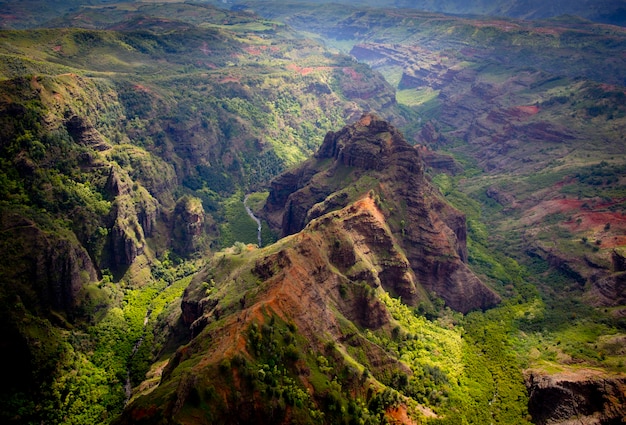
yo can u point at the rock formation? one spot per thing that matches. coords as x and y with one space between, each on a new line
188 225
54 264
359 221
321 281
372 156
581 397
133 216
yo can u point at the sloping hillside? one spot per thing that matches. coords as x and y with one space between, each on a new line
318 327
475 277
125 154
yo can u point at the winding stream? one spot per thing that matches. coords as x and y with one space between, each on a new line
255 218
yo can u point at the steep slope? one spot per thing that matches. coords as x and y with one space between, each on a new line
534 111
587 396
70 215
118 145
117 150
315 328
372 156
273 327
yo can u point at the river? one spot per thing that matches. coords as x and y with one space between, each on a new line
255 218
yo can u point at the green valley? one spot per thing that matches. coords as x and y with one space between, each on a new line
441 199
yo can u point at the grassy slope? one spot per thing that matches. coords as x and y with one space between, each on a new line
583 93
127 60
194 97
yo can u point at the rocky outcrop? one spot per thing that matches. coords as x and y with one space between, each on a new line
133 217
84 133
370 144
421 67
581 397
608 291
350 249
62 268
618 262
439 162
368 252
188 225
126 236
52 263
372 156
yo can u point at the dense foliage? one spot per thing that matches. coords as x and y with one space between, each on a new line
126 151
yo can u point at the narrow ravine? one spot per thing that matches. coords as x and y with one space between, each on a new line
128 386
258 222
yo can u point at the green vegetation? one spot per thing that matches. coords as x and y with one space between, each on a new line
239 226
88 374
104 133
480 373
412 97
552 323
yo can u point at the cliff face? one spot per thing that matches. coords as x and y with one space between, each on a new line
360 222
54 265
133 216
188 225
583 396
321 282
372 156
351 247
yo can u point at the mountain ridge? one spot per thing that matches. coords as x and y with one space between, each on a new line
129 154
319 289
427 229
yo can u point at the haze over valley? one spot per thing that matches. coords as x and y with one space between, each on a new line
438 189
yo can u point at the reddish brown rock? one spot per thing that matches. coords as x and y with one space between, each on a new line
371 156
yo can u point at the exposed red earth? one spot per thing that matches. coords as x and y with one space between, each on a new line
307 70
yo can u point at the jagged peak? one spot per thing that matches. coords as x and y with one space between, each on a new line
369 144
370 155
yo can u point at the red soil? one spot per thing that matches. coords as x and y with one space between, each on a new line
586 217
528 109
352 73
255 50
230 80
142 88
306 70
399 415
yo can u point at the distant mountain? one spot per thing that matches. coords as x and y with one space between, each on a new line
605 11
33 13
457 254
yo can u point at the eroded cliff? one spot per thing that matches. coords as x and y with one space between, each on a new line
372 156
576 397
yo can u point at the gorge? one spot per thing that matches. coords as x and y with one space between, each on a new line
312 212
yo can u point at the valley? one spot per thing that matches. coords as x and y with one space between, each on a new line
284 212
